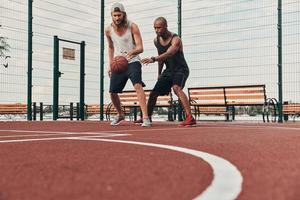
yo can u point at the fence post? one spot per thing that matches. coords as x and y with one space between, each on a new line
77 111
41 111
29 70
82 76
279 27
34 111
55 77
179 18
71 111
102 14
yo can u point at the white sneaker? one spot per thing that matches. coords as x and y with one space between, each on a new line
146 123
117 120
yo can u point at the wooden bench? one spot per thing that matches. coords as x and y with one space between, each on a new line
208 100
129 101
94 109
13 109
224 99
292 109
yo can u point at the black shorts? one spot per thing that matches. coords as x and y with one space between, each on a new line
168 79
119 80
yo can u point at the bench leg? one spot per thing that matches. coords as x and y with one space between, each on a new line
170 114
286 117
230 112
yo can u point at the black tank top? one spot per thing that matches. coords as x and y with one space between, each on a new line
175 63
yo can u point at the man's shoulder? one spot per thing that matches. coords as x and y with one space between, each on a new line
175 37
132 24
107 29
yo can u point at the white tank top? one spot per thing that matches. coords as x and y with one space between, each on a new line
124 43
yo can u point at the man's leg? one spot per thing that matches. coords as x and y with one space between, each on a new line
117 104
135 75
186 106
150 106
152 102
141 98
117 83
183 99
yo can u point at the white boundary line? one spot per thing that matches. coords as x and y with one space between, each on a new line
103 135
37 131
57 134
233 126
227 182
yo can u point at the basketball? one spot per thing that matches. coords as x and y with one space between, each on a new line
119 64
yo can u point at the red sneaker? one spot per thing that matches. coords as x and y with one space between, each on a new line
189 121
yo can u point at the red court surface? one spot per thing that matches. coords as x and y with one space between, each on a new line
92 160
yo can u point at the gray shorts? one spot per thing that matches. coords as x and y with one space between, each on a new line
119 80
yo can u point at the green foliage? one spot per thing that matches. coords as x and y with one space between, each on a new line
4 46
161 111
250 110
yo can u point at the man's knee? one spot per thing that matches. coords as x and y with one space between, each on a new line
176 89
153 95
138 86
113 94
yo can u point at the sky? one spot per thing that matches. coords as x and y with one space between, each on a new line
226 42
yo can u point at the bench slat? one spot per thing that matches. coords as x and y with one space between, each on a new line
14 108
129 100
222 97
291 109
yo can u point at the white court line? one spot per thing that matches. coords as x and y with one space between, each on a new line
257 127
141 129
61 138
227 181
230 126
37 131
54 134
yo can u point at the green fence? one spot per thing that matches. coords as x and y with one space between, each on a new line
13 28
291 50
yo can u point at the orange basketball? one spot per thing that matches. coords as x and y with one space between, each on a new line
119 64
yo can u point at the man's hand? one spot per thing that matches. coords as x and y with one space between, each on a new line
128 55
147 61
109 72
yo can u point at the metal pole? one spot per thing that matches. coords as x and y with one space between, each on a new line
55 77
179 18
179 108
102 14
82 74
29 70
41 111
71 111
34 111
280 95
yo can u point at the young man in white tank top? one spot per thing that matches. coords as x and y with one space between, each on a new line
124 38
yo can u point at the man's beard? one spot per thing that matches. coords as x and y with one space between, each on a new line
121 23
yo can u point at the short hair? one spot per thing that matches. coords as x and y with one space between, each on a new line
163 20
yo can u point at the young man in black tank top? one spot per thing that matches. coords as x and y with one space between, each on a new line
170 53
